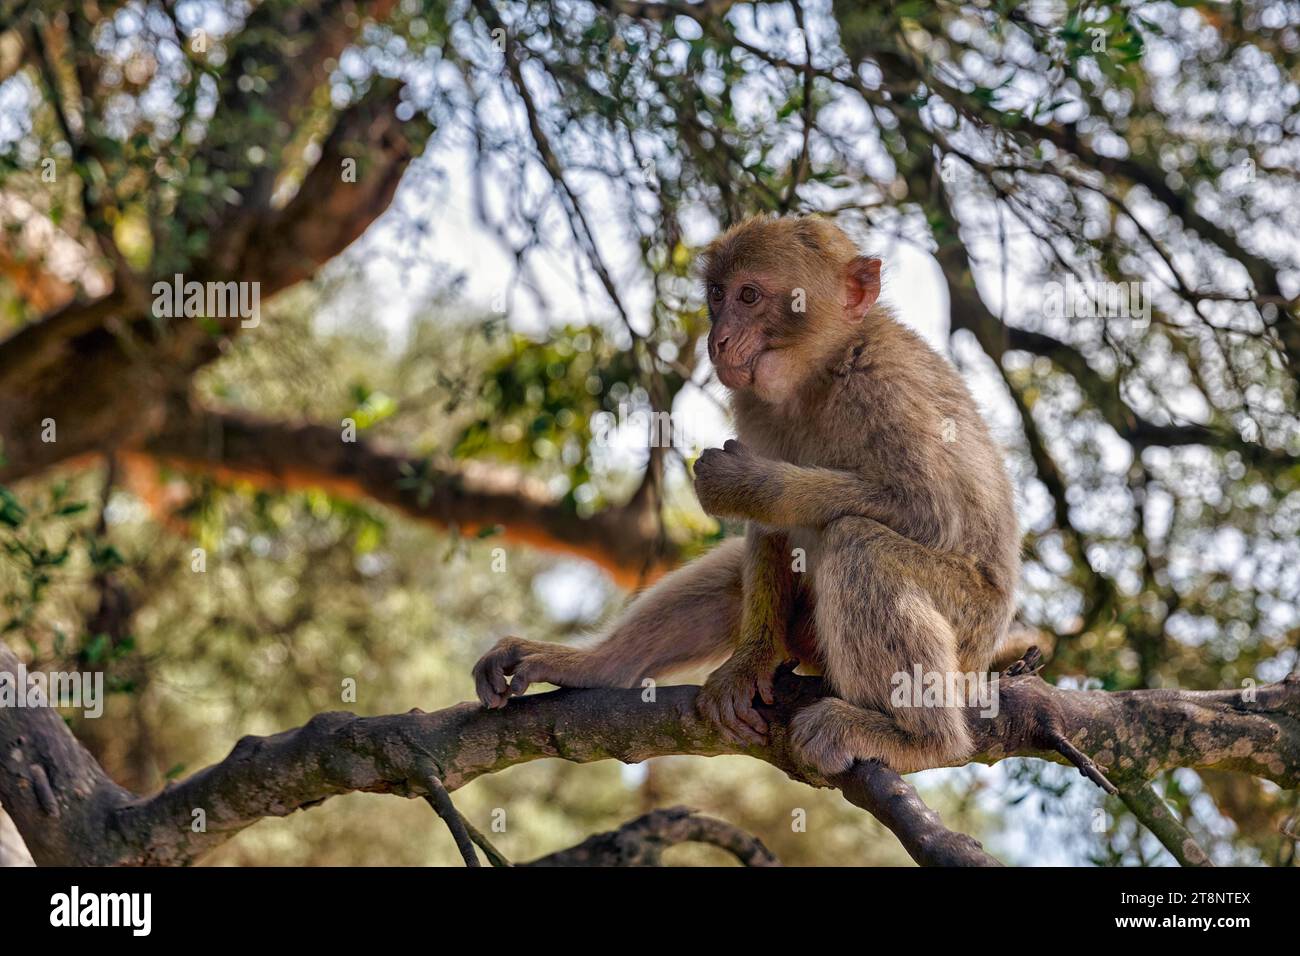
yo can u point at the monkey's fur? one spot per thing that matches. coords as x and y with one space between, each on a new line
859 445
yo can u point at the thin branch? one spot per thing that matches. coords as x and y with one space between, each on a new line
801 165
442 804
1049 731
1159 818
583 234
969 312
495 856
1085 764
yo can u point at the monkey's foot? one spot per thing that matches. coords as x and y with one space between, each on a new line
524 662
1027 664
727 698
831 734
823 737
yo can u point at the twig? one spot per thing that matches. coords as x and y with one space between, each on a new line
1157 817
1080 759
1049 733
495 856
440 800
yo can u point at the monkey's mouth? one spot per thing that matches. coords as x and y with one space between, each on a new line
738 374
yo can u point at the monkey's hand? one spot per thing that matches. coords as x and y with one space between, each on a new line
727 697
726 477
524 662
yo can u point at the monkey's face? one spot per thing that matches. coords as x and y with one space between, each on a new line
766 332
745 309
783 293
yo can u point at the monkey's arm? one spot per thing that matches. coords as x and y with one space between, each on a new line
768 601
733 481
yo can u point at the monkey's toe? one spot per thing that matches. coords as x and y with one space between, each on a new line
819 742
731 709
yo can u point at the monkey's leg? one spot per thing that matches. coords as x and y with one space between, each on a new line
874 621
727 698
689 618
977 609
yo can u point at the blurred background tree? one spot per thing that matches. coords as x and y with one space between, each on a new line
480 218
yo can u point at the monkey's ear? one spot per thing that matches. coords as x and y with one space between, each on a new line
863 281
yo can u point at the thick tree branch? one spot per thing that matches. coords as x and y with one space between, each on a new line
895 803
330 210
73 366
469 497
69 812
297 44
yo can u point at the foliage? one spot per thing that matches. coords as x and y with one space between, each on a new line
1020 146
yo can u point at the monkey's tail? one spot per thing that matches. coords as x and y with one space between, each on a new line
1018 639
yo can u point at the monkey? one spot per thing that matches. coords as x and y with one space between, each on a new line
858 448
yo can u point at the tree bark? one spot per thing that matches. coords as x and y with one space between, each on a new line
70 813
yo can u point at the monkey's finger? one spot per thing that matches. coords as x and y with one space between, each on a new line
508 659
519 684
752 718
490 684
735 721
713 711
703 707
734 732
766 689
488 680
719 710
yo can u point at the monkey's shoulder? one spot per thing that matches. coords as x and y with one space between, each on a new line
892 385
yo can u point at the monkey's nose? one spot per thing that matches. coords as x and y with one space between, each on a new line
718 344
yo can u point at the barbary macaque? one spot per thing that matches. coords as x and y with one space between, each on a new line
881 534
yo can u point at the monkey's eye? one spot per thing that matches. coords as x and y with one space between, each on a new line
749 295
716 294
